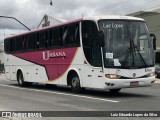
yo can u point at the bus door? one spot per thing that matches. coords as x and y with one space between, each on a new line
87 31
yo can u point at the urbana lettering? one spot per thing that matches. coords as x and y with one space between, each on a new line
48 54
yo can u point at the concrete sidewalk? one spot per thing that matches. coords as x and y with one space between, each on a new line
2 77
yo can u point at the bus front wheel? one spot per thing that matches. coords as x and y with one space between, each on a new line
75 84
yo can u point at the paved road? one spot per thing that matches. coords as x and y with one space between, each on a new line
42 98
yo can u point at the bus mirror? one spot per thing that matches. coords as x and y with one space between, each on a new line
153 37
100 40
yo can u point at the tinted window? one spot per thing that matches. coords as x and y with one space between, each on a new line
37 40
55 37
13 45
19 44
42 40
56 41
31 42
50 38
47 39
7 45
71 35
91 49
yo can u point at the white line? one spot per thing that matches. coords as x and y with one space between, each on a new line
59 93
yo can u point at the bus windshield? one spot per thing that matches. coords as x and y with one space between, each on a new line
127 44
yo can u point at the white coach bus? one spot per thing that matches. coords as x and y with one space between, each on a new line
101 52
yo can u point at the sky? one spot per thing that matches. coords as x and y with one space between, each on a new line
31 12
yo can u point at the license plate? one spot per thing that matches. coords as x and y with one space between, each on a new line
136 83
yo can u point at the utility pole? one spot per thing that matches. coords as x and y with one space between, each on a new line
16 20
51 4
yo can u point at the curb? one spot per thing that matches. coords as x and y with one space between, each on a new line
157 81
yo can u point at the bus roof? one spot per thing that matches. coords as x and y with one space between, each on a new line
112 17
45 28
94 18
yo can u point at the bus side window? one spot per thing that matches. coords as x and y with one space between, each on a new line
50 38
7 43
42 40
13 45
31 42
25 42
47 39
77 35
56 37
65 34
19 44
37 40
71 35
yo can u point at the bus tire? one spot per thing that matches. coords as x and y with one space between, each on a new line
75 84
114 91
20 79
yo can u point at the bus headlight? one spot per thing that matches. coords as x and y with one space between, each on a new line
151 74
112 76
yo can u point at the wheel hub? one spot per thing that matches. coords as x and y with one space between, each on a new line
75 82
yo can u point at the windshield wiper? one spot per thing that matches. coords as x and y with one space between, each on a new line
131 48
134 48
140 55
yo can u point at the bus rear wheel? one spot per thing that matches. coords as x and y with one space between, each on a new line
20 80
75 84
114 91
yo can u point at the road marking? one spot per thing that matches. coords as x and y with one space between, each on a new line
60 93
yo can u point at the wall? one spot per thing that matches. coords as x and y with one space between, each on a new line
153 22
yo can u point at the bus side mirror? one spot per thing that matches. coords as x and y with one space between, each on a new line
153 37
100 39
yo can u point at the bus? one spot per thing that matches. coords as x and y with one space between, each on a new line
99 52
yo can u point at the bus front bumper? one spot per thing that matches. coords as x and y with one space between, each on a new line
129 83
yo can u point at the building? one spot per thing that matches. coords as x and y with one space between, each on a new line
49 20
152 18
